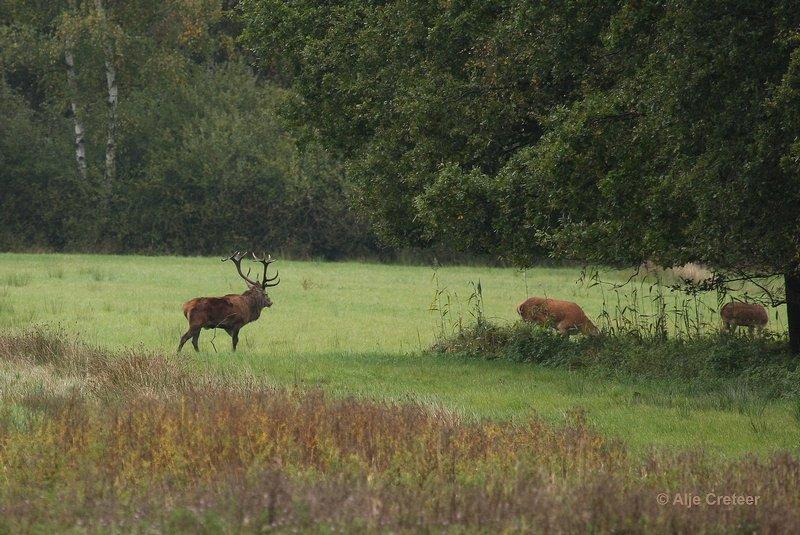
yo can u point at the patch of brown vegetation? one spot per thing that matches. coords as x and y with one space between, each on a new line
163 448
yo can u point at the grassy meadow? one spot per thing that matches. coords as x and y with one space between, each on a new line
336 415
360 329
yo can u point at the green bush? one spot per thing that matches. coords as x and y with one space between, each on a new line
482 339
715 362
540 345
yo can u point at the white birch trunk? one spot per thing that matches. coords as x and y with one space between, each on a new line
80 144
111 84
111 136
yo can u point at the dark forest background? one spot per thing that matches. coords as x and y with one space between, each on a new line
610 132
202 161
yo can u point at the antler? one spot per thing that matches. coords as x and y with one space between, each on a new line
266 260
236 258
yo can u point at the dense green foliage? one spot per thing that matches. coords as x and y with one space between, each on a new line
33 184
203 163
611 132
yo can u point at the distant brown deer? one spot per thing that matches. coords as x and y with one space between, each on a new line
233 311
564 316
748 315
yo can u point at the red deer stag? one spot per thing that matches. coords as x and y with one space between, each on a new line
747 315
233 311
565 316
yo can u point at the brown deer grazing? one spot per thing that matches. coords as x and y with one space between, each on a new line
747 315
565 316
233 311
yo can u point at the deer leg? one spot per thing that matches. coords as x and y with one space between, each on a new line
564 328
234 337
195 338
185 338
730 327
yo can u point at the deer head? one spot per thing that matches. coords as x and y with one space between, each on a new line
255 288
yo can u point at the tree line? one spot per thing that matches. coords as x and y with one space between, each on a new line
142 127
613 132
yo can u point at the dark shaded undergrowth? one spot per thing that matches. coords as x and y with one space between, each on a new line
721 363
98 441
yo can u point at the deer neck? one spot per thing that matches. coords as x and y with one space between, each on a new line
254 305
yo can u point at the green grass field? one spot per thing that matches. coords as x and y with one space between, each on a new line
355 328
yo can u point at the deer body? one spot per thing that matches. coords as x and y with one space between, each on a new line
748 315
230 312
565 316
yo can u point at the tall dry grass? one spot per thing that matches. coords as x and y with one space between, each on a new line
97 441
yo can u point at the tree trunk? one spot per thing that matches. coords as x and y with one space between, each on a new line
793 309
111 84
111 137
72 80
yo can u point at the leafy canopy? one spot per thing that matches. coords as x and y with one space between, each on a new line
610 132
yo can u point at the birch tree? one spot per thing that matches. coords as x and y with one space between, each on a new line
69 32
107 41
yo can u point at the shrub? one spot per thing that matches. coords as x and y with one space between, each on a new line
481 339
762 365
534 343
